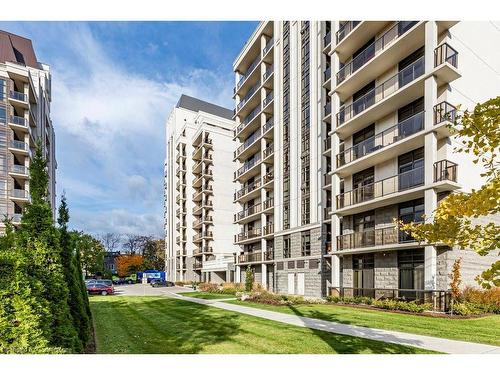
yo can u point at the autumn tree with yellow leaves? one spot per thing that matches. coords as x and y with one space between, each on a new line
453 220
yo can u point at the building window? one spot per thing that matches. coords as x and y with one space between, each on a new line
306 244
313 264
287 251
279 266
411 272
363 275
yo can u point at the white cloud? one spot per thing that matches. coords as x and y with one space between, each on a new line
109 122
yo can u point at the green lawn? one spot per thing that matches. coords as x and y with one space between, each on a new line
204 295
166 325
482 330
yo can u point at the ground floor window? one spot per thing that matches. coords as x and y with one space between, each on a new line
363 275
411 272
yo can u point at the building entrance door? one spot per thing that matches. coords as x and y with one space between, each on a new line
291 283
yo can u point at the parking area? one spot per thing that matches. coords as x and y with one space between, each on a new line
147 290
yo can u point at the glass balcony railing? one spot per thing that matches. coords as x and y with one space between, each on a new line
327 109
268 46
16 218
18 96
268 177
255 209
20 169
327 74
250 117
18 120
248 142
374 49
372 237
327 39
268 72
247 166
252 233
444 111
345 29
445 54
19 193
247 189
249 94
249 71
268 151
268 99
382 91
19 145
390 185
268 125
389 136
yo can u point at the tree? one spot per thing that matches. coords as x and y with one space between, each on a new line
110 240
248 279
154 254
134 243
453 220
128 264
91 253
456 280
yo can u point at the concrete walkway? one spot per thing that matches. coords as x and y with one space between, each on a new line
419 341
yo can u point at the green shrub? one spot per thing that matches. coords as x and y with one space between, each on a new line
232 288
356 300
466 308
249 279
488 300
412 306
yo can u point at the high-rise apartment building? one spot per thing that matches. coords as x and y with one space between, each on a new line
25 97
342 131
199 204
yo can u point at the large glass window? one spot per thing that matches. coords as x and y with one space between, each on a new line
363 275
410 212
306 244
3 114
411 272
2 89
287 249
411 169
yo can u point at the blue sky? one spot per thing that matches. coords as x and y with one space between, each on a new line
114 84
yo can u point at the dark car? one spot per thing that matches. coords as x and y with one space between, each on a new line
98 281
97 288
158 283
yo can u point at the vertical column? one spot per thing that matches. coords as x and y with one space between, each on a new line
430 150
237 276
335 274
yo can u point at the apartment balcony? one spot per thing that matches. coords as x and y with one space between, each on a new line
207 219
180 211
203 250
179 169
249 123
266 103
180 158
180 225
388 50
266 51
327 213
327 180
249 191
327 111
205 144
327 40
267 82
268 205
181 253
19 147
267 154
197 265
18 99
445 64
445 170
249 76
354 34
388 186
18 122
180 239
19 171
179 184
249 147
205 175
445 116
15 218
248 236
383 146
206 235
249 168
179 199
267 128
268 179
257 257
250 214
327 81
250 100
327 145
386 238
397 91
268 230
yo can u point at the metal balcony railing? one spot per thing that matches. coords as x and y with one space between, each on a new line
249 71
327 179
445 54
268 203
327 109
268 229
327 144
268 99
390 185
268 151
248 142
253 233
269 71
268 125
256 257
345 29
255 209
268 46
250 117
374 49
382 91
380 140
16 218
268 177
445 170
444 111
327 74
249 94
247 166
247 189
327 39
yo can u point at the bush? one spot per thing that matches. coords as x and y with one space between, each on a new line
356 300
467 308
488 300
390 304
232 288
249 279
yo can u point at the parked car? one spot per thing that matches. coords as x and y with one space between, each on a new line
98 281
99 288
159 282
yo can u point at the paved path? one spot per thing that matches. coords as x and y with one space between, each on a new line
424 342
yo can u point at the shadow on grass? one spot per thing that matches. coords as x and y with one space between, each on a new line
321 325
158 325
